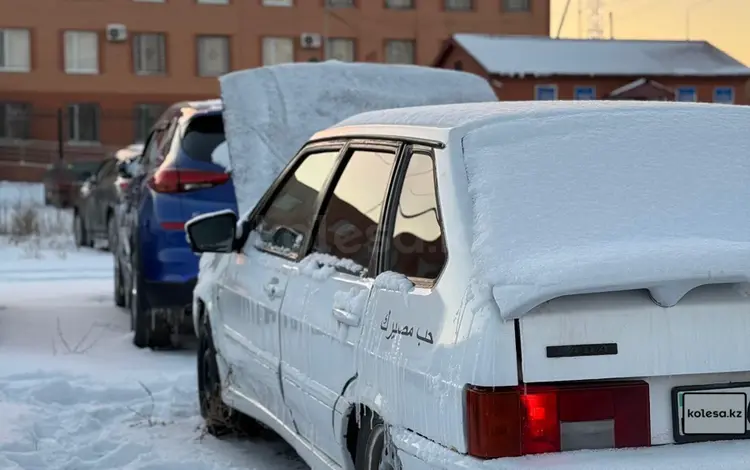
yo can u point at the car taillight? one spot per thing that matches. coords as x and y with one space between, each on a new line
171 180
535 419
122 185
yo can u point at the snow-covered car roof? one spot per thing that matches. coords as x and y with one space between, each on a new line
579 197
270 112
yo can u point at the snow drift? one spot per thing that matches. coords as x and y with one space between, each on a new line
270 112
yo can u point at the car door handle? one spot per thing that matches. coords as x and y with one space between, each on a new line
272 289
346 318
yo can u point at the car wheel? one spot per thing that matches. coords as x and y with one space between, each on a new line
375 451
145 333
79 231
219 418
119 287
111 233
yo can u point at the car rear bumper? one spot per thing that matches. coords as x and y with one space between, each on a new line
169 295
418 453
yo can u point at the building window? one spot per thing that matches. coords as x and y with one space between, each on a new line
213 55
724 94
339 3
278 3
81 52
686 93
459 5
399 4
545 92
83 122
514 6
15 120
585 93
399 51
340 49
278 51
15 50
150 53
145 116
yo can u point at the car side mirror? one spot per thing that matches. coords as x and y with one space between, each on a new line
123 169
214 232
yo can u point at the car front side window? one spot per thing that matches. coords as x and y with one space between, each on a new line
288 218
350 221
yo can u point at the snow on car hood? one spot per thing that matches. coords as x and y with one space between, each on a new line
579 198
270 112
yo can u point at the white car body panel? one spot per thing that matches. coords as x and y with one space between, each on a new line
417 385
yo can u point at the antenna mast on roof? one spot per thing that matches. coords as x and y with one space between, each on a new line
595 27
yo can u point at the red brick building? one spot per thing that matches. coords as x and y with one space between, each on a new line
111 66
541 68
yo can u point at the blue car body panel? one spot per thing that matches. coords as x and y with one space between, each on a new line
152 223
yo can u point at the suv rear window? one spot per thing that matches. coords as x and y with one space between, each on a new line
202 135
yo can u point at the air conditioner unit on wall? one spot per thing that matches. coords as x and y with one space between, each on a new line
117 32
310 40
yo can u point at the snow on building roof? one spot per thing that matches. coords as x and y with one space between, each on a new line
577 197
544 56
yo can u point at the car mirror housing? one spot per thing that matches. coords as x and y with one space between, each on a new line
214 232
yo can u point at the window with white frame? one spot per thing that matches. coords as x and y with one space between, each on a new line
400 51
724 94
15 50
513 6
150 53
545 92
278 3
15 120
145 116
340 49
399 4
213 55
278 51
585 93
83 122
81 52
459 5
686 93
339 3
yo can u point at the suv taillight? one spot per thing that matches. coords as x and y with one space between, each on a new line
535 419
171 180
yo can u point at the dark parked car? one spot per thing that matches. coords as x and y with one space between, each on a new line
63 181
95 210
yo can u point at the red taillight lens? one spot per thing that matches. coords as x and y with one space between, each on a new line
122 185
170 180
509 422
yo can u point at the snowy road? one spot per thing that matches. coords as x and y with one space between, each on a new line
76 395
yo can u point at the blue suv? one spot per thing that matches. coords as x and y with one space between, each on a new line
178 177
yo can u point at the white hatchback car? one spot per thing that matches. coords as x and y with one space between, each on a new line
449 287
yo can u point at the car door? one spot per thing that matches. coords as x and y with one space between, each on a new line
90 191
103 194
322 321
254 285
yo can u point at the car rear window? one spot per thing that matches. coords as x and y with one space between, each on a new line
202 135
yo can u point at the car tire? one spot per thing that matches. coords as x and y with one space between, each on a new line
145 333
119 293
375 451
79 231
220 419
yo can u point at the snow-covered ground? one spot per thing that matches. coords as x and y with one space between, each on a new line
75 394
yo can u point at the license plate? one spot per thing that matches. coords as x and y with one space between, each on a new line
711 412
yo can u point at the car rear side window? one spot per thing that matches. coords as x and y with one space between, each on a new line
202 135
349 223
288 219
417 247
